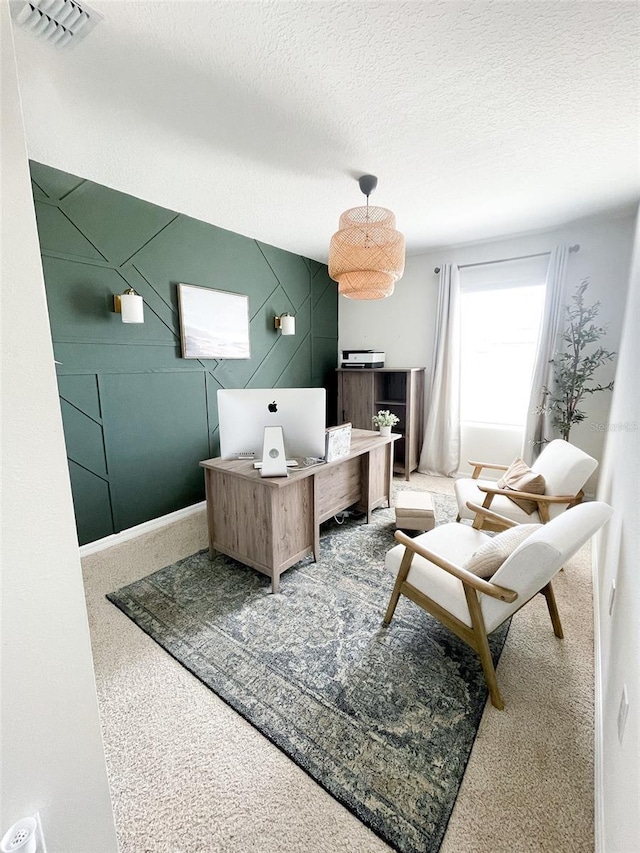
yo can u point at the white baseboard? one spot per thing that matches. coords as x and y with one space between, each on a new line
139 529
598 782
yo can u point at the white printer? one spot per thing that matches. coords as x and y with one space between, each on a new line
362 358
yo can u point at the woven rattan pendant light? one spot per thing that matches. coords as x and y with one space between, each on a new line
366 256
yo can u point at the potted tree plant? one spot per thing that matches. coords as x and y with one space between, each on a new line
384 420
576 363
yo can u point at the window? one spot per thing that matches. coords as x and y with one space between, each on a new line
501 310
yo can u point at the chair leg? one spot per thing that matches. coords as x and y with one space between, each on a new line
479 520
489 672
403 571
548 593
482 648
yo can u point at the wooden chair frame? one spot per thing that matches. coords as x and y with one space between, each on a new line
476 635
542 502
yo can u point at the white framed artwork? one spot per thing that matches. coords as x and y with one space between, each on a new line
213 323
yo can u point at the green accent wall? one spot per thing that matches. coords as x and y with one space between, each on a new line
138 417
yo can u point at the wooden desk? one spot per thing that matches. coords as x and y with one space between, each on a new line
271 523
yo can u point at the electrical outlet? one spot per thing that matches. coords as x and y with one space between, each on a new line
612 596
622 712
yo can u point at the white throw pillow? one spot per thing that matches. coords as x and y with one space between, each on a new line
487 559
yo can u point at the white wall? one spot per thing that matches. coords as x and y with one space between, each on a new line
403 325
616 560
488 443
52 755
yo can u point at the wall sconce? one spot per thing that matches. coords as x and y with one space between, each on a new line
286 323
130 306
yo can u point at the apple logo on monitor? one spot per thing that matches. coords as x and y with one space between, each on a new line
273 407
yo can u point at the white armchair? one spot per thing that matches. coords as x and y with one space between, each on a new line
430 571
565 469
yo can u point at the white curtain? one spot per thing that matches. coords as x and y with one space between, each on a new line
538 427
441 448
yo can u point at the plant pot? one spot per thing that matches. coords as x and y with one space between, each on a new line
385 430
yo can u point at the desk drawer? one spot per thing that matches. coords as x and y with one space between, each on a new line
338 487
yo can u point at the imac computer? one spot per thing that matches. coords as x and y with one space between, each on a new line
245 412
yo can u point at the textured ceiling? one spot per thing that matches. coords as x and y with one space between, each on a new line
480 119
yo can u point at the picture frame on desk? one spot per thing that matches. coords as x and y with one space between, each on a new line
337 442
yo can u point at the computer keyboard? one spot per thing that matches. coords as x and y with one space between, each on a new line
291 463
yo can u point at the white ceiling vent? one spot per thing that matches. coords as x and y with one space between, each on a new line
59 22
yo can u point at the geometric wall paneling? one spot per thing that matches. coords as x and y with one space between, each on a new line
80 301
325 305
279 303
60 235
155 428
291 271
265 340
272 372
237 264
118 224
288 351
138 418
92 505
82 392
203 255
214 443
155 302
87 357
325 336
235 372
323 360
263 316
38 193
313 266
83 436
297 371
320 280
53 183
212 387
304 322
322 286
323 354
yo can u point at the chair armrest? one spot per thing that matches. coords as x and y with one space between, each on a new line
491 515
478 466
468 578
511 493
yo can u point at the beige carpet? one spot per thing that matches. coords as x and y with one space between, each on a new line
188 775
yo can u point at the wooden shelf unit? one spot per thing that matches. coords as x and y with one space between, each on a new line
362 392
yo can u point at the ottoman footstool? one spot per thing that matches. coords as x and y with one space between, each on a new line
414 511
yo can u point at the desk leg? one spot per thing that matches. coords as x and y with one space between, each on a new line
275 583
316 521
208 492
390 454
367 484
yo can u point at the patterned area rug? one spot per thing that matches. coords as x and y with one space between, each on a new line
383 718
